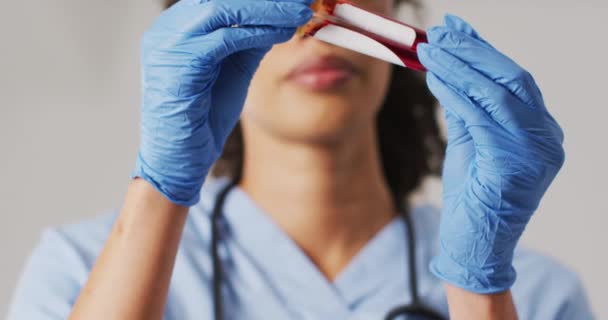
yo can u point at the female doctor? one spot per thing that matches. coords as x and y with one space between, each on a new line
307 218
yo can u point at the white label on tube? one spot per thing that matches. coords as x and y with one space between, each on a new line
376 24
357 42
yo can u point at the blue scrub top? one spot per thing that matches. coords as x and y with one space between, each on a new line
267 276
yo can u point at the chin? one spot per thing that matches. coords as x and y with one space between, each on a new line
298 114
319 122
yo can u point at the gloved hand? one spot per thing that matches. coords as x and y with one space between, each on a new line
198 60
504 149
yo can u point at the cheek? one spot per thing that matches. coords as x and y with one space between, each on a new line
266 105
263 90
379 76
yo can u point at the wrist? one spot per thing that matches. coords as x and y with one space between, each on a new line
468 305
179 189
142 193
475 278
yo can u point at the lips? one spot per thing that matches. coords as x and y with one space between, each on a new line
323 73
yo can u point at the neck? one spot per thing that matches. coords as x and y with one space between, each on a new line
330 199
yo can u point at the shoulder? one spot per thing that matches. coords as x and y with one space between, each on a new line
547 289
425 220
86 238
59 265
57 269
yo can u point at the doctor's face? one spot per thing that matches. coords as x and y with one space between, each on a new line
309 91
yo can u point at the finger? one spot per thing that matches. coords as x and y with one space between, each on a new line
488 61
222 13
460 117
457 104
201 55
466 123
193 17
460 152
307 2
502 106
198 2
244 63
226 41
459 24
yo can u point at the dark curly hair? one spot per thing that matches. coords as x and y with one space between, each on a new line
411 144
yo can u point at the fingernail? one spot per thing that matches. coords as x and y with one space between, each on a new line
423 48
430 79
301 10
424 52
307 2
433 30
436 34
458 24
445 37
433 57
450 20
306 13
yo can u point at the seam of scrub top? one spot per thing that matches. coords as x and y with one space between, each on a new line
383 255
293 274
376 265
250 230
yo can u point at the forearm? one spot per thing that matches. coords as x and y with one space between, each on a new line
468 305
131 277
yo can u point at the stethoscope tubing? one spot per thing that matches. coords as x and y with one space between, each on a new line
415 307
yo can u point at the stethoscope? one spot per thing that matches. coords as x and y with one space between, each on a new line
415 309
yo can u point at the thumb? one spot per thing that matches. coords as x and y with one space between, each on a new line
232 85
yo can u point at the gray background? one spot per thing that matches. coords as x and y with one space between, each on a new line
69 97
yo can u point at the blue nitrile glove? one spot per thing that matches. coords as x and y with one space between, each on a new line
504 149
198 60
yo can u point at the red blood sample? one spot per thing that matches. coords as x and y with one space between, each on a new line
324 15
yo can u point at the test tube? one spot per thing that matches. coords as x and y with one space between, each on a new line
345 24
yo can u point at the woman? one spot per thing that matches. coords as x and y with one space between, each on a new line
307 219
